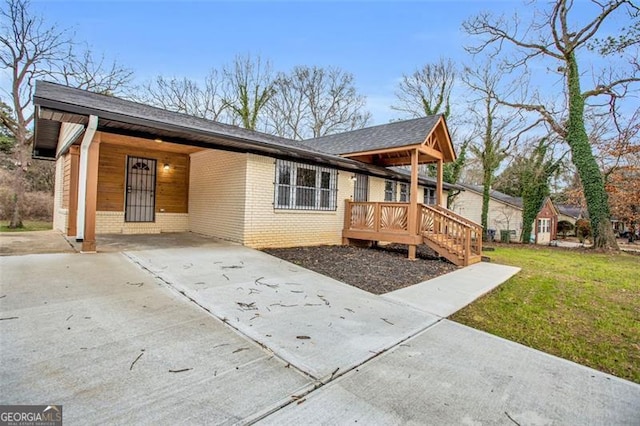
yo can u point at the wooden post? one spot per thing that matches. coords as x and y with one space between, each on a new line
72 222
439 184
413 203
89 241
467 246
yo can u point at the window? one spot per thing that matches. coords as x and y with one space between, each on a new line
544 226
404 192
430 196
361 188
305 187
390 190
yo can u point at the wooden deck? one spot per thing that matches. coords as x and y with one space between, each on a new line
452 236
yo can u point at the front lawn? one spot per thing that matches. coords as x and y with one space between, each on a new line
29 225
576 304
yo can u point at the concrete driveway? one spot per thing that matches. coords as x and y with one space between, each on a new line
224 334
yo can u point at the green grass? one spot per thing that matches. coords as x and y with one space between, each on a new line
29 225
578 305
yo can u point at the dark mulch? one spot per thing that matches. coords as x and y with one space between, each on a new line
377 270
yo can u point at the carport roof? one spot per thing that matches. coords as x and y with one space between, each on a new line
56 103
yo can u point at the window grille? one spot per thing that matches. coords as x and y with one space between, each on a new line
429 196
361 188
305 187
404 192
390 189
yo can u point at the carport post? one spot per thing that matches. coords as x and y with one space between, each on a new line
72 223
91 198
87 139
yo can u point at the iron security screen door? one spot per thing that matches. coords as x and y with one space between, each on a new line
141 190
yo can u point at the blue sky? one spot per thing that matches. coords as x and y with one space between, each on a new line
376 41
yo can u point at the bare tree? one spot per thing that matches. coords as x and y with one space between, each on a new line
86 71
31 49
248 85
310 102
427 91
553 39
496 131
187 96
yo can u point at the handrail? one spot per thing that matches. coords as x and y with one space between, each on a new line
461 222
455 215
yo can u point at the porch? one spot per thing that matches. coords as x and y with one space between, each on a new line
453 237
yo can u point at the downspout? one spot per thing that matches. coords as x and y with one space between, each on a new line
89 133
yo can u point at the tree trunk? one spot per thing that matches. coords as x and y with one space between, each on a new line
486 188
19 187
582 157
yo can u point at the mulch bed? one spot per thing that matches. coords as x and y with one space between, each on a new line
377 270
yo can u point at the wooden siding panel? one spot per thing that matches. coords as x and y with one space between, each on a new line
172 186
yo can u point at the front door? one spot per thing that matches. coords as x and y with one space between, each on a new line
544 231
141 190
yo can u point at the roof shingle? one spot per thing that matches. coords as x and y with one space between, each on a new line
395 134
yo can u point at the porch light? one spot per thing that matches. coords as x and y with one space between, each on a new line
166 167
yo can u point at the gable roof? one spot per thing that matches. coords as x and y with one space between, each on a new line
568 210
390 135
56 103
497 195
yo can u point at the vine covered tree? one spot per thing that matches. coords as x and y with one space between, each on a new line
555 38
492 142
537 170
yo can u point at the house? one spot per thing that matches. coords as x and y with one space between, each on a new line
125 167
505 212
546 225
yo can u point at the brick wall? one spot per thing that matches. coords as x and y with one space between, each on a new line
113 223
269 227
217 194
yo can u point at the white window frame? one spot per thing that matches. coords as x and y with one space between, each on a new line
292 188
544 225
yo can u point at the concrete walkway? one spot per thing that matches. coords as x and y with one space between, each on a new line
454 375
227 335
446 294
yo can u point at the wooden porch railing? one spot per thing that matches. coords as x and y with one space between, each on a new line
457 234
451 235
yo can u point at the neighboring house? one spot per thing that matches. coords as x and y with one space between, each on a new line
125 167
569 213
545 227
505 212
